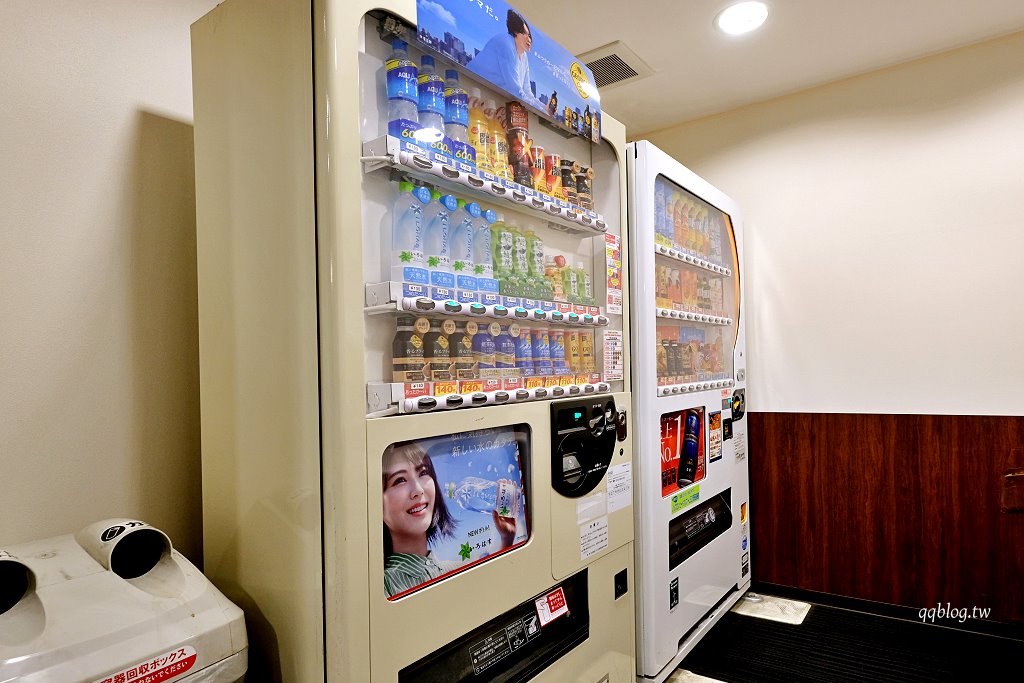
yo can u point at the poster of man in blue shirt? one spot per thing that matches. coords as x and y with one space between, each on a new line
496 44
505 60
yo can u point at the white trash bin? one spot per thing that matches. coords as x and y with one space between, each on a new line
114 603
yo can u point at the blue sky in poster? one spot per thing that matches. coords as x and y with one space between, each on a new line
464 464
470 24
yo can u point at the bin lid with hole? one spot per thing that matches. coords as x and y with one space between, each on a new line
75 620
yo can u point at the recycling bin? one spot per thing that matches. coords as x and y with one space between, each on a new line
114 603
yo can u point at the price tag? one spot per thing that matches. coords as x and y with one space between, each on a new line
416 389
445 388
513 383
534 382
565 380
471 386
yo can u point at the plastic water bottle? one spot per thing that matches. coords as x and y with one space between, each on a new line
437 239
431 101
403 92
482 495
462 244
482 265
456 108
408 263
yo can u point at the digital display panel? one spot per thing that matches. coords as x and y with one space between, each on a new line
451 502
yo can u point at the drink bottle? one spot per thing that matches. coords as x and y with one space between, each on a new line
431 101
403 93
437 239
408 263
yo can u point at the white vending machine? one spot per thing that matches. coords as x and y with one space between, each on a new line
414 344
692 521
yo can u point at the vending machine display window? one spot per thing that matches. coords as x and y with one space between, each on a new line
682 449
451 502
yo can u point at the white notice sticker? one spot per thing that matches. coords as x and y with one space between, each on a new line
593 537
620 486
739 442
590 507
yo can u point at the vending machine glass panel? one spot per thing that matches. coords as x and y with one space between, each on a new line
451 502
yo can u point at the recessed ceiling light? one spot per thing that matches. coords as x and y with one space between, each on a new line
743 17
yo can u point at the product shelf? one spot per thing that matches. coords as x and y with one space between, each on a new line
390 398
691 260
434 168
693 387
397 297
694 317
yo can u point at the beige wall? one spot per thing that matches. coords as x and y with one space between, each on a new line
884 233
99 413
883 230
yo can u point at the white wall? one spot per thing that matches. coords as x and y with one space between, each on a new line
884 233
99 411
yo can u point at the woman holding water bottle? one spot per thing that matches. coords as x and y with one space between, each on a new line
416 516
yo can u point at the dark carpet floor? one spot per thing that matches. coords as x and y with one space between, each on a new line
838 644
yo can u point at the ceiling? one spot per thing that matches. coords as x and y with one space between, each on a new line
805 43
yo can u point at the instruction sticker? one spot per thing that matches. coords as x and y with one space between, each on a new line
620 486
593 537
165 667
551 606
740 441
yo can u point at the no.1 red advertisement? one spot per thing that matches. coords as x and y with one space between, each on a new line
682 449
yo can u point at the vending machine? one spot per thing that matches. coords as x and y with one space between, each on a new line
414 344
692 511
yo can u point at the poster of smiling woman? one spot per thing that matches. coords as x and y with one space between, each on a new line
498 44
451 502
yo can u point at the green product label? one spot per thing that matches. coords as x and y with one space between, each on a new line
685 499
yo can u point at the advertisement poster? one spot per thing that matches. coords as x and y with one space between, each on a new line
682 449
613 357
715 436
497 43
613 257
449 503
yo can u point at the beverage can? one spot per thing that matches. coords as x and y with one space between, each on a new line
584 178
517 117
557 350
569 169
553 175
541 341
538 169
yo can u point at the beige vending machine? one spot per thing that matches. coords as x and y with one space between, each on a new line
413 344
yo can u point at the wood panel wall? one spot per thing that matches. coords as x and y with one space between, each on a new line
900 509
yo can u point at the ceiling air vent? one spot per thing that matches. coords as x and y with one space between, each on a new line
614 64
